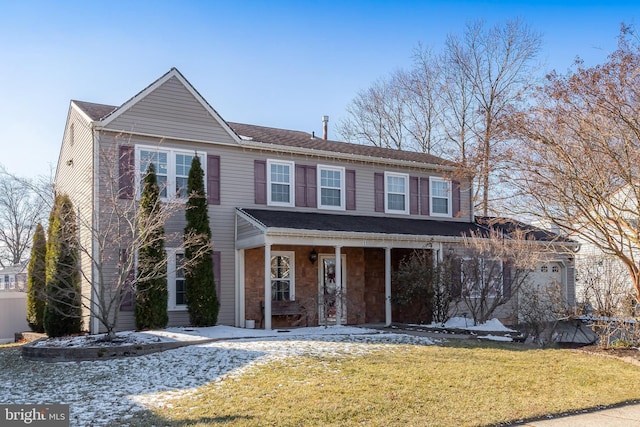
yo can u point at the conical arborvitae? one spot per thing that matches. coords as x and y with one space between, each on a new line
63 313
36 281
151 291
202 300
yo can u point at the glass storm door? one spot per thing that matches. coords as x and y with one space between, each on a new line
331 297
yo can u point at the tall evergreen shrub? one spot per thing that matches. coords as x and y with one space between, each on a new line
63 313
202 300
36 281
151 293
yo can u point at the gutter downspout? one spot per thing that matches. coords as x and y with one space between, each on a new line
94 323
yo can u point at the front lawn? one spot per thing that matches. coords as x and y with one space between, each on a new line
463 384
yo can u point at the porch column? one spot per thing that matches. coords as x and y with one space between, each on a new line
267 286
387 286
339 295
240 293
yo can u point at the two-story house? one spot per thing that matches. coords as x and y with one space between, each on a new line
294 216
14 278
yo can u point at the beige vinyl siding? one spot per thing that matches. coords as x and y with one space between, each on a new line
173 112
237 190
238 187
74 177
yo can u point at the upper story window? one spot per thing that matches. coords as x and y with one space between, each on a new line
440 192
183 166
332 187
280 183
172 169
396 192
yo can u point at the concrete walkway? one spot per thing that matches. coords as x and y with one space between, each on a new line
621 416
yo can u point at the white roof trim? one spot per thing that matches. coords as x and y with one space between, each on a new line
80 111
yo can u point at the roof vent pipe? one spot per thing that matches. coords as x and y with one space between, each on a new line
325 121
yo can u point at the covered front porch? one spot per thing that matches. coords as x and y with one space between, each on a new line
326 269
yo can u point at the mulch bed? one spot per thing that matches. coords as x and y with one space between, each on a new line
629 355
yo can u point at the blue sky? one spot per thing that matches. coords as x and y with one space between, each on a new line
273 63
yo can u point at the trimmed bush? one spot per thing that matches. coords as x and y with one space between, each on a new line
202 300
63 313
151 292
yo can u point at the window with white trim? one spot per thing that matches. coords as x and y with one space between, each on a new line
1 283
331 181
481 277
280 184
396 192
440 195
282 276
172 169
176 284
12 282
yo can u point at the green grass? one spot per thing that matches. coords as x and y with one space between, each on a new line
462 384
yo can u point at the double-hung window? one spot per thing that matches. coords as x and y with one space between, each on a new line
172 169
396 189
332 187
280 184
440 192
160 161
1 283
183 166
482 277
176 283
282 276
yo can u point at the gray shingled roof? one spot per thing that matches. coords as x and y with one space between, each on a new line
95 111
391 225
361 224
508 226
292 138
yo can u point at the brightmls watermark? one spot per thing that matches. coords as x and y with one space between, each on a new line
34 415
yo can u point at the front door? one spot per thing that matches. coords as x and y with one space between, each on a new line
332 296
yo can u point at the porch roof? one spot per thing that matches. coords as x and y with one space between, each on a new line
369 225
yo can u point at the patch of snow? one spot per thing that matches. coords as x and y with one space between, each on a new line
495 338
110 391
493 325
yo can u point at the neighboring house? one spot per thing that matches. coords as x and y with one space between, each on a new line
315 225
14 278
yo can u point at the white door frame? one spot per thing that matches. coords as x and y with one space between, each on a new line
341 306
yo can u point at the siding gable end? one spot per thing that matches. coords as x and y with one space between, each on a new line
172 108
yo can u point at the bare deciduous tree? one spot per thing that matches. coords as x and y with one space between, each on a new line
497 63
23 203
495 267
453 104
540 310
377 115
581 154
111 238
605 286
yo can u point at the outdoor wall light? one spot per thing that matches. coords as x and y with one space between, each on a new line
313 256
